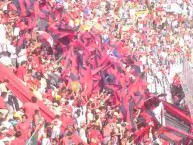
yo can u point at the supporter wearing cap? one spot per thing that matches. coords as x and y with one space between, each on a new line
24 127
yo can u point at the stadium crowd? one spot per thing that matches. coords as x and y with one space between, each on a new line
94 64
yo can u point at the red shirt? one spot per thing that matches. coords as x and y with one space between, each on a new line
30 108
67 121
107 131
18 141
48 95
64 141
2 103
24 127
95 137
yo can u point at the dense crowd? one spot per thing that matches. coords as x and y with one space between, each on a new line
94 65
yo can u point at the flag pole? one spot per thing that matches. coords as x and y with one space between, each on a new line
38 127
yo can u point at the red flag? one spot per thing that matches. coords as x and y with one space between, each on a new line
137 86
141 133
46 38
177 112
21 41
22 6
11 7
36 12
95 71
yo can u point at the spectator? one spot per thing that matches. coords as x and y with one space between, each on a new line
29 108
17 139
25 128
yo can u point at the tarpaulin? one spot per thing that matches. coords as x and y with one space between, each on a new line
177 112
169 136
181 132
22 92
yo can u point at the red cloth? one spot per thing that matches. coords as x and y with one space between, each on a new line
64 141
177 112
138 85
18 141
21 71
141 133
22 92
11 7
22 7
67 121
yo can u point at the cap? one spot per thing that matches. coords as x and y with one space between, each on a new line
57 97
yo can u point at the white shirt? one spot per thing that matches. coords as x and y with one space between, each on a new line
3 88
66 6
6 60
83 134
16 31
11 49
181 42
6 124
164 54
22 56
3 34
46 141
90 117
2 143
71 102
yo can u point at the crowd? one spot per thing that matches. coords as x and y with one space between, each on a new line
94 64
